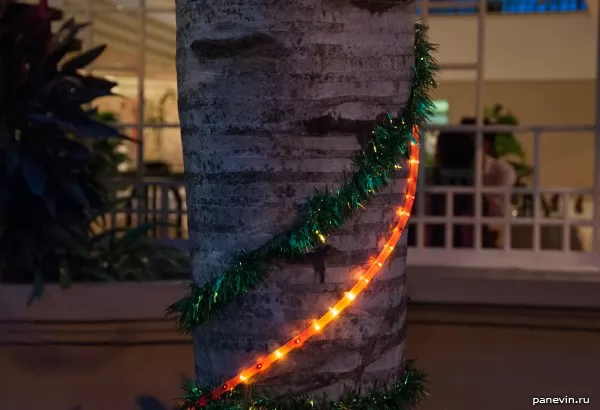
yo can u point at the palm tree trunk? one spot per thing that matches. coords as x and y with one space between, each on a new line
275 98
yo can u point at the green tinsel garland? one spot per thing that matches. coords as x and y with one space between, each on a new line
404 394
326 211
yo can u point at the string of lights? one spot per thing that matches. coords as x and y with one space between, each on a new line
375 266
393 142
405 392
327 210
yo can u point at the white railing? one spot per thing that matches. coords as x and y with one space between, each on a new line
541 228
158 202
550 228
164 199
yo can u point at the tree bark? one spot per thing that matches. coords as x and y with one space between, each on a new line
275 98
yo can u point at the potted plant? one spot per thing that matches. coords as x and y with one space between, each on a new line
55 155
156 116
508 146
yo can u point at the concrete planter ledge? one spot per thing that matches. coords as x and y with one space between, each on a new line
504 287
91 302
92 347
90 314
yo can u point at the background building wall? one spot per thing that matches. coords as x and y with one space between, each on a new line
554 46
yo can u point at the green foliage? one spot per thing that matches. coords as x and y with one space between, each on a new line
156 115
404 394
156 111
506 143
127 254
51 184
47 185
508 146
107 156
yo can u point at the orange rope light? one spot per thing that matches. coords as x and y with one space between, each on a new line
374 267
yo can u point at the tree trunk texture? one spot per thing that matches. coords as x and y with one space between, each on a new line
275 98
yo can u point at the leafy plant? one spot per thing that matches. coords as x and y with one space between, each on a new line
46 183
507 145
125 253
50 182
107 156
156 115
122 254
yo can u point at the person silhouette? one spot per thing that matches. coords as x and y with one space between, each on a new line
496 171
455 166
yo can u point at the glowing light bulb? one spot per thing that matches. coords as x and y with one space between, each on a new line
317 327
321 237
297 341
242 377
350 295
259 366
391 247
366 280
278 353
334 312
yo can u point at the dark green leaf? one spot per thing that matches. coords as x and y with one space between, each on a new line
70 148
12 158
87 95
497 109
36 177
82 60
67 25
60 86
507 144
37 289
49 156
85 126
65 41
98 82
109 233
70 242
73 188
51 120
50 205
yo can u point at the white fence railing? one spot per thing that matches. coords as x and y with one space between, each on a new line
158 202
540 227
